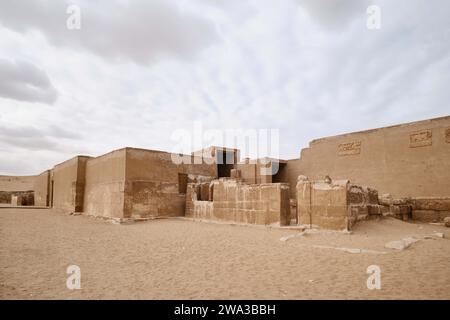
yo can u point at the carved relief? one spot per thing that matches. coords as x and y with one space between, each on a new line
447 135
349 148
420 139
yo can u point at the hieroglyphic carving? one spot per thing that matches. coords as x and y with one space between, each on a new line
349 148
447 135
420 139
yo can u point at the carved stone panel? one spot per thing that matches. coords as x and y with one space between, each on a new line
447 135
349 148
420 139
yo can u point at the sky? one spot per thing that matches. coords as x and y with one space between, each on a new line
139 73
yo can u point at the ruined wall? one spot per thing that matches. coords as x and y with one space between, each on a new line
68 183
234 201
324 204
42 189
152 188
430 209
404 160
105 185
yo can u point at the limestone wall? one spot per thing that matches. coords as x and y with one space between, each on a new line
152 183
405 160
324 204
234 201
68 183
105 185
42 189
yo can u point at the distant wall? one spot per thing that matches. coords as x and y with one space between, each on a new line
237 202
42 189
404 160
15 185
152 183
105 185
68 183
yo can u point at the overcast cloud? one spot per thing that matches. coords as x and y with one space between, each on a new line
138 70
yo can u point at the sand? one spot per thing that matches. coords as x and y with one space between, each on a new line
181 259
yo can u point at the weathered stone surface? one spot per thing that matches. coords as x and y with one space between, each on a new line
401 244
438 204
426 215
235 201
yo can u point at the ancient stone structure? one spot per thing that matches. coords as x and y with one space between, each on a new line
228 199
407 164
17 190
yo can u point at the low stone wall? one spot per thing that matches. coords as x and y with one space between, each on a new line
430 209
324 204
336 205
235 201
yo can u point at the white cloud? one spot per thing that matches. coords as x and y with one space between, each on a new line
140 31
24 81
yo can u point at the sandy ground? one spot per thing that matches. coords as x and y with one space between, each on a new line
178 259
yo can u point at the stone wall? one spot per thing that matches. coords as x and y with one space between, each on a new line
152 186
234 201
42 189
324 204
430 209
68 182
408 160
105 185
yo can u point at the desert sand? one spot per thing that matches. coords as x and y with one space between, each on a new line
182 259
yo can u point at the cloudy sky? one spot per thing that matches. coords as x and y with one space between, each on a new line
137 71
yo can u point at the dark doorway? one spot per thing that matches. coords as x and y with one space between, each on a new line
279 176
225 162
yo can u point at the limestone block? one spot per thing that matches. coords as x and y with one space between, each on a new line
401 244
